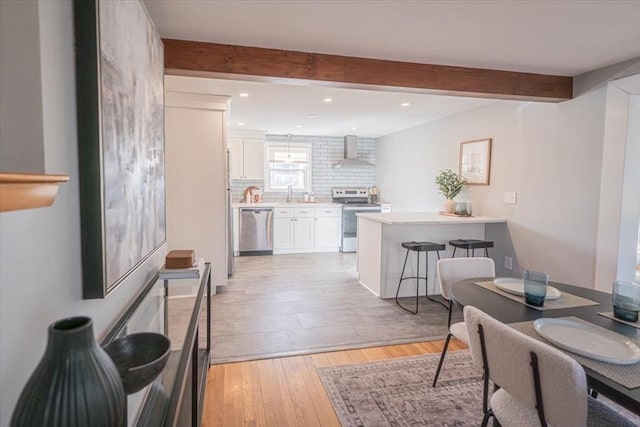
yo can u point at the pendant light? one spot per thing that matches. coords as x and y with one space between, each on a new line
289 160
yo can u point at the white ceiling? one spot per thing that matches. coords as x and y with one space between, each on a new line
551 37
281 109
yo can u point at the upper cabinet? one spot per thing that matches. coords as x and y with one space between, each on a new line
246 158
236 157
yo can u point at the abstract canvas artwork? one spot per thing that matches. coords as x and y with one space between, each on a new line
119 70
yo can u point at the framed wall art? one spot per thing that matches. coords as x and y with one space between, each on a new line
475 161
120 96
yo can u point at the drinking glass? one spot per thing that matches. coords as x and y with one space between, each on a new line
469 209
463 208
535 287
626 300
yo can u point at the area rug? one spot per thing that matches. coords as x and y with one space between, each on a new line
398 392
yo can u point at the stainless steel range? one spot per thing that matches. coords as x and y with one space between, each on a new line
353 200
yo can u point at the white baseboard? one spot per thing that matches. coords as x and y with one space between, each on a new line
304 250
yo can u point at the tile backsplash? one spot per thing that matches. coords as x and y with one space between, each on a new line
326 151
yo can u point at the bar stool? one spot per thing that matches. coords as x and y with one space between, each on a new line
472 244
419 247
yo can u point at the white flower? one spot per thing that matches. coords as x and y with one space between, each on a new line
449 183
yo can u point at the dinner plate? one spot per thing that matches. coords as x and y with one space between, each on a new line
516 287
588 340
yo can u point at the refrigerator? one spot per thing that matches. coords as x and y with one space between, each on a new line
230 242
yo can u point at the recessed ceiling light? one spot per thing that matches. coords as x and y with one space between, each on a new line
405 104
240 123
354 128
299 126
327 100
244 94
312 116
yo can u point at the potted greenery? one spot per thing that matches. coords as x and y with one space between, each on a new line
450 185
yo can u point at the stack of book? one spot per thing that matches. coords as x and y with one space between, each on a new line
182 265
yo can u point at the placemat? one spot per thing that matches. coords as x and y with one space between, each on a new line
627 375
610 315
566 300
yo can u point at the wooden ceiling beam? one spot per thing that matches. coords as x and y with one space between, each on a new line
189 58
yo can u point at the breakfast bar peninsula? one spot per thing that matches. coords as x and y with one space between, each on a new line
380 254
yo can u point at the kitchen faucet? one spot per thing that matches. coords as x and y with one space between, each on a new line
289 194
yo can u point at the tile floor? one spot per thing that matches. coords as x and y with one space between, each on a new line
306 303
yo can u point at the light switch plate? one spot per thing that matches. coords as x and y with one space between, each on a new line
508 263
510 197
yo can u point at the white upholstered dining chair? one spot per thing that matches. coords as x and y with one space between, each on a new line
538 384
450 271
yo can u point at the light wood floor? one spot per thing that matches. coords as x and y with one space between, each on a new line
288 391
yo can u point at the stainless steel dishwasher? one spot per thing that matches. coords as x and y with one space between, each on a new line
256 231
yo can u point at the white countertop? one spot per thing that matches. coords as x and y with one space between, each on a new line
426 218
285 205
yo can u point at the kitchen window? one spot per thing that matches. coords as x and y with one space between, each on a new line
288 164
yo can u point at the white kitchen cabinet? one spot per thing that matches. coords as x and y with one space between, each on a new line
328 227
331 211
303 223
246 158
303 233
306 229
253 159
327 233
283 229
303 213
293 228
283 212
283 233
236 158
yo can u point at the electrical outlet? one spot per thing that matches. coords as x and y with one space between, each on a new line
508 263
510 197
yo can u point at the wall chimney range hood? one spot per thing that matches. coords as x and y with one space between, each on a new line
351 159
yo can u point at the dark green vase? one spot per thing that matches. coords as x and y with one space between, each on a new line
75 383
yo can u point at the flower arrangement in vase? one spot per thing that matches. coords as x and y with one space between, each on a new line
449 185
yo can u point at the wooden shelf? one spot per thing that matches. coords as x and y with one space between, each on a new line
27 191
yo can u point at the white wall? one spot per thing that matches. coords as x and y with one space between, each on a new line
619 190
613 153
630 206
20 86
408 161
549 153
40 266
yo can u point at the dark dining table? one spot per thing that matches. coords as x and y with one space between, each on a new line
509 311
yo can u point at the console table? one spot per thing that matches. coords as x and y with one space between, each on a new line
176 397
